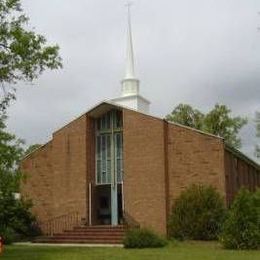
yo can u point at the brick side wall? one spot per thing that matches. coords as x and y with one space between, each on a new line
239 173
38 184
193 158
56 180
144 176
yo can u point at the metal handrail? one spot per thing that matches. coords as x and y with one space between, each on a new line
60 223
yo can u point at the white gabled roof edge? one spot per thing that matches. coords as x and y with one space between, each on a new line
109 102
242 156
195 130
173 123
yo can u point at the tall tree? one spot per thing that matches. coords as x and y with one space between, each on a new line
186 115
15 215
11 152
24 55
257 120
218 121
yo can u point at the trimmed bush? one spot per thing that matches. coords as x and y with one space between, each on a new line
241 229
197 214
143 238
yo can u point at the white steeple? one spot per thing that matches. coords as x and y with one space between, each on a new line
130 84
130 70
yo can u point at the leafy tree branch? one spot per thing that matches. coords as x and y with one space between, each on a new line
218 121
24 54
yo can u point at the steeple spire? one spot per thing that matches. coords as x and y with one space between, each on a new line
130 96
129 73
130 85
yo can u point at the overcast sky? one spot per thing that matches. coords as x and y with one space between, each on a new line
198 52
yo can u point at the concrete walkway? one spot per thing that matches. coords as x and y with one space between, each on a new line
66 245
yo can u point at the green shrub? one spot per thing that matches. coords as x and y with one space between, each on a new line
197 214
15 215
143 238
8 235
241 229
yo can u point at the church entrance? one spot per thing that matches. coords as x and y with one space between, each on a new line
109 168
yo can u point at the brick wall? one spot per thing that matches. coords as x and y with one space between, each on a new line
144 175
69 168
239 173
160 161
194 158
38 184
56 173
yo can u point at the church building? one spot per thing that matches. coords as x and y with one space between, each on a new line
118 166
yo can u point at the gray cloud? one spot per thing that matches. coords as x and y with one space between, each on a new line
199 52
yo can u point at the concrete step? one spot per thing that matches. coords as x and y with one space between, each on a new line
76 239
100 229
84 238
88 234
83 241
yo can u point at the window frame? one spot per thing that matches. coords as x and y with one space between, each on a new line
107 126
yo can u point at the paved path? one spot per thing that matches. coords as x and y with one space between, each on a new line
66 245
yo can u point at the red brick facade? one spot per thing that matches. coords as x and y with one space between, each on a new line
161 160
38 184
56 173
194 158
144 172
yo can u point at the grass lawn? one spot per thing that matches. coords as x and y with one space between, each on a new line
175 250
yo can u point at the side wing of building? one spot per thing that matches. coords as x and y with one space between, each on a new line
240 171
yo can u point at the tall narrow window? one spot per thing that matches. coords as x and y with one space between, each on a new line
119 156
109 148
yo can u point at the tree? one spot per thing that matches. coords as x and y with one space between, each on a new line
184 114
10 154
257 120
24 55
15 216
31 148
218 122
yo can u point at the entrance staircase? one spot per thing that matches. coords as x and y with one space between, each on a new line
103 234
